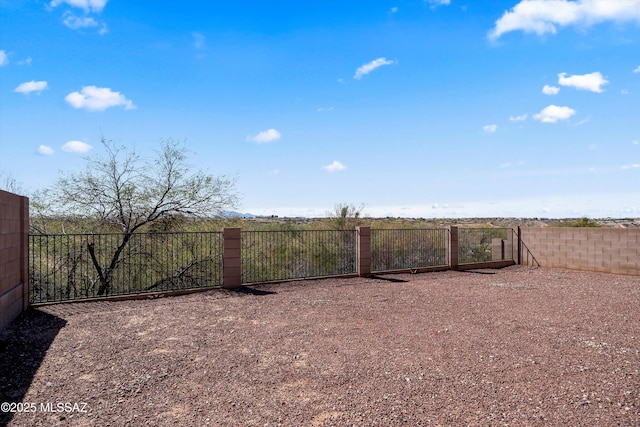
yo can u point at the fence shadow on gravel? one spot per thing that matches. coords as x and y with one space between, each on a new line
23 346
246 290
388 279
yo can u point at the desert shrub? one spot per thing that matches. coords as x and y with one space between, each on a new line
582 222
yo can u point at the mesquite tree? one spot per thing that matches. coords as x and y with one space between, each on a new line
345 216
124 192
9 183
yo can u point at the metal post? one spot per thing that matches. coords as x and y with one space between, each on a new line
453 247
519 246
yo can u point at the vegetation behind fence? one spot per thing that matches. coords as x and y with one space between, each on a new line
408 249
296 254
476 244
80 266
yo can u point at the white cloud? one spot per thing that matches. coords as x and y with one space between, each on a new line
636 143
27 61
553 113
572 204
325 109
336 166
637 70
393 9
490 128
199 44
198 40
439 206
45 150
79 22
520 118
436 3
507 165
583 121
542 16
86 5
369 67
76 147
75 22
32 86
550 90
592 81
268 135
95 98
4 59
632 166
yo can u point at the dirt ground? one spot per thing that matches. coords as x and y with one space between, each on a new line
519 346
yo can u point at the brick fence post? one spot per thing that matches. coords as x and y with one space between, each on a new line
14 256
453 247
363 244
231 258
24 249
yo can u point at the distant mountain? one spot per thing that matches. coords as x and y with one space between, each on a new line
233 214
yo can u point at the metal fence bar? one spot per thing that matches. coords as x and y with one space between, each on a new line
80 266
479 245
296 254
408 249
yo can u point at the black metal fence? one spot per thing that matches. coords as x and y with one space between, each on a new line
66 267
80 266
294 254
409 249
476 244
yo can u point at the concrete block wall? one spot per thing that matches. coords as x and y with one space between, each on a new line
609 250
14 240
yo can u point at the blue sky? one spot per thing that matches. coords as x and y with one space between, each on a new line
441 108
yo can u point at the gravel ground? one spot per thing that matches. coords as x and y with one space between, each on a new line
519 347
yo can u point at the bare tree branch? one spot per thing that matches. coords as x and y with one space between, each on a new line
123 190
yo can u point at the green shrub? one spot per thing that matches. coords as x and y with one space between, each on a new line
583 222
